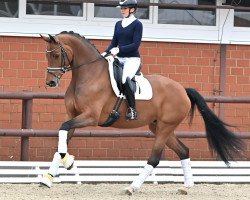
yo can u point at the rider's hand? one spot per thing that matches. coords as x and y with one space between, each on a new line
114 51
104 53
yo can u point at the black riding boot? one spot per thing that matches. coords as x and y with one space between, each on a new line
130 96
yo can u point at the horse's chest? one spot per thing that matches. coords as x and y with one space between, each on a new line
75 102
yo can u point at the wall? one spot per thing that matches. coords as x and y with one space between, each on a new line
23 68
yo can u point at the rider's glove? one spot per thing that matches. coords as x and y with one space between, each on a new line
104 53
114 51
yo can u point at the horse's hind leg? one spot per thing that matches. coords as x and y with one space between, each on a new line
179 148
162 132
183 153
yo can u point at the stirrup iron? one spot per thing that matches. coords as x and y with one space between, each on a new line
131 114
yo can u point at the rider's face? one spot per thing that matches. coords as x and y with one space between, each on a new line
125 11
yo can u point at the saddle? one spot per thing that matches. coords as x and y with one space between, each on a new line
140 85
118 72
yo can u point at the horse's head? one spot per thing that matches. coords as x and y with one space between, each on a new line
59 59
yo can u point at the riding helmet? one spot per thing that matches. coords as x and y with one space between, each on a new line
128 3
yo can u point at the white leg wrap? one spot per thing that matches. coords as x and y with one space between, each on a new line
68 161
188 176
137 183
55 164
62 142
47 178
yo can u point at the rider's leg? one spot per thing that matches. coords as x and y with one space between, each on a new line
130 96
131 66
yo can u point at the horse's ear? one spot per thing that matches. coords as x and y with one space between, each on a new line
46 39
52 38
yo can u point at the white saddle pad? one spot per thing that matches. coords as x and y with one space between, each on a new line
143 87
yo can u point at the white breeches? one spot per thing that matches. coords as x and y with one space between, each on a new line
131 66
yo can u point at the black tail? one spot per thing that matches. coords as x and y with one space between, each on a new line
223 141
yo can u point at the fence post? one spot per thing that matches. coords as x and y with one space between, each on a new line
26 124
223 55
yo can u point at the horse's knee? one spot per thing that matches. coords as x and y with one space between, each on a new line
66 126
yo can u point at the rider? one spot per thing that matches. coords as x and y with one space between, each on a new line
125 44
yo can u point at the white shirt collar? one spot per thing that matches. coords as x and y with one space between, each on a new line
127 21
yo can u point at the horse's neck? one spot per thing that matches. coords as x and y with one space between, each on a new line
83 54
90 75
90 71
84 59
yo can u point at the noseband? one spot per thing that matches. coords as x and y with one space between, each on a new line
63 68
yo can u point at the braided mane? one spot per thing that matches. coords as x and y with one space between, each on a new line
80 37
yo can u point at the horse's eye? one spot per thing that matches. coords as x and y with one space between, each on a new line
55 56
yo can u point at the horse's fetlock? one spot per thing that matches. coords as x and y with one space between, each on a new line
153 163
62 155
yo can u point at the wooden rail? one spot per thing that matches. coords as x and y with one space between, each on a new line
26 130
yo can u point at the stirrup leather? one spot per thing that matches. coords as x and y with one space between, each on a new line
131 114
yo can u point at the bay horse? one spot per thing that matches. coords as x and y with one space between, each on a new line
90 98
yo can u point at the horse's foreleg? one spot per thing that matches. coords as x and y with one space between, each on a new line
70 135
47 178
61 156
67 160
183 153
66 132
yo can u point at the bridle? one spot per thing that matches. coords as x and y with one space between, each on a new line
63 68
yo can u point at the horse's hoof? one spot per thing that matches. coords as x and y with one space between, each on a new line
129 190
68 161
46 180
183 190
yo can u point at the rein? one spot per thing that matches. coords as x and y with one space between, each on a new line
63 69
